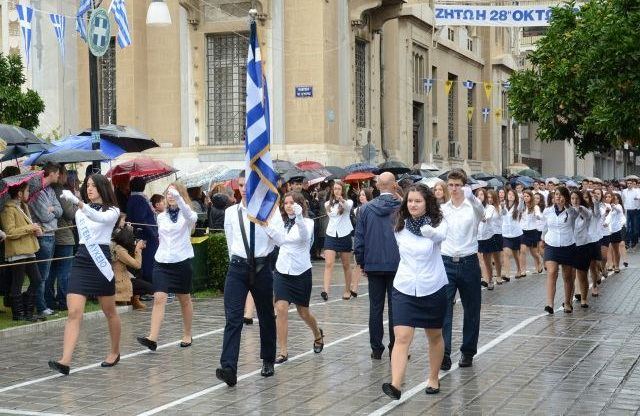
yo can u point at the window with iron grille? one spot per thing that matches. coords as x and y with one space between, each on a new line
361 82
226 88
107 84
452 116
470 125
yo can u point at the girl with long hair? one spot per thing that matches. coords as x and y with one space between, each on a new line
172 269
441 192
605 237
539 200
531 214
616 224
487 241
364 195
511 233
419 289
496 226
91 273
338 239
292 275
595 234
584 251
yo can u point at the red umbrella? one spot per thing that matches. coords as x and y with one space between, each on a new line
145 167
309 165
358 176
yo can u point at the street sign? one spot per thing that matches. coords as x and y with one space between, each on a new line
99 34
369 152
304 91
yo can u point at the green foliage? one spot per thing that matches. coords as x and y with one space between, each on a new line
584 82
17 107
217 261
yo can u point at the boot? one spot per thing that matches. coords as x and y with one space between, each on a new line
135 302
17 310
29 304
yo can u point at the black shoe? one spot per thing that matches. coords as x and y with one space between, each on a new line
318 344
61 368
227 375
578 297
355 294
376 355
152 345
186 344
247 321
432 390
267 369
324 296
625 264
548 309
107 364
484 284
391 391
465 361
446 363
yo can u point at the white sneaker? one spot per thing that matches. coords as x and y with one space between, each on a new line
48 312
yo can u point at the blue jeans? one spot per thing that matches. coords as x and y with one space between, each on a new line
59 272
236 288
380 286
633 227
47 246
464 276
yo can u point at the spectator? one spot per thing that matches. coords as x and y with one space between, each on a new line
219 203
157 203
126 253
5 275
141 213
46 210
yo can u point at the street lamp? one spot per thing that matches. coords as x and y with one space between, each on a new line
158 14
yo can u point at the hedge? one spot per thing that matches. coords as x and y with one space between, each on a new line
217 263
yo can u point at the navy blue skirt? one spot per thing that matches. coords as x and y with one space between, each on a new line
293 289
173 277
605 241
561 255
583 256
530 238
596 253
85 277
491 245
419 312
338 244
511 242
616 237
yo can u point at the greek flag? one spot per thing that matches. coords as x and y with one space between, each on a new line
59 26
261 193
81 24
25 14
485 114
427 84
468 84
120 14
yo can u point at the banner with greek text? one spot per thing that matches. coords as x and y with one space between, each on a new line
514 16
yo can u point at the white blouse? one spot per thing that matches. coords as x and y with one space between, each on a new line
486 228
617 218
295 245
605 219
421 270
496 222
595 234
175 238
529 220
100 224
583 221
339 224
559 228
511 227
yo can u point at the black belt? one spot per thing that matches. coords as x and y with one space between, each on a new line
459 259
242 260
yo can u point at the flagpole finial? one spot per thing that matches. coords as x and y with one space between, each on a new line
253 14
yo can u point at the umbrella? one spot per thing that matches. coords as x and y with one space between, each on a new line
532 173
494 183
79 142
281 166
13 135
336 171
631 177
128 138
412 178
317 180
425 173
393 166
482 176
358 176
425 166
17 151
360 167
525 181
309 165
572 184
430 182
144 167
202 177
33 178
480 184
226 175
73 156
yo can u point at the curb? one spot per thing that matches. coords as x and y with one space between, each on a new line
54 323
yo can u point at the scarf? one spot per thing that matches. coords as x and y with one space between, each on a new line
97 207
414 225
173 214
289 223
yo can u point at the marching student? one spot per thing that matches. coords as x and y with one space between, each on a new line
584 250
496 225
487 240
172 268
530 216
540 200
91 273
419 287
292 275
605 237
617 222
511 210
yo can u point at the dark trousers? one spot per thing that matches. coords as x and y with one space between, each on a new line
18 270
633 227
236 288
380 286
464 276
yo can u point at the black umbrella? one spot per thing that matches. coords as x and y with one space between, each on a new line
483 176
282 166
18 151
72 156
307 174
17 135
425 173
412 177
33 178
336 172
128 138
393 166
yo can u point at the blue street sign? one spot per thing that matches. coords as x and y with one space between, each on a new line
99 34
304 91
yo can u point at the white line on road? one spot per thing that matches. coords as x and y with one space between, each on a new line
28 413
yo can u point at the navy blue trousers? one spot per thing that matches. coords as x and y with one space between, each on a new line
380 287
236 288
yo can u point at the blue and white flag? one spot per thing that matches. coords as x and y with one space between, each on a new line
262 195
59 24
468 84
25 15
506 85
485 114
427 85
120 14
81 24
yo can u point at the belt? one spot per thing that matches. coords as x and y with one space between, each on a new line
460 259
242 260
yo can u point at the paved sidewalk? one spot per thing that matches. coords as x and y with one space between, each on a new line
528 363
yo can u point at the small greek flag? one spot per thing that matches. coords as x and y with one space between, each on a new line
427 85
485 114
506 85
59 25
468 84
25 14
261 193
120 14
81 24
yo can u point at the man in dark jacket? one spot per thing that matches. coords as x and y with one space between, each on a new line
377 254
140 211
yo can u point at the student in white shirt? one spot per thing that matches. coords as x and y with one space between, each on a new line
511 211
487 241
292 275
616 224
496 225
559 247
95 221
338 239
540 200
419 287
605 235
529 218
172 269
595 235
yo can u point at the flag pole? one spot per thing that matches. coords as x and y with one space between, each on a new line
95 106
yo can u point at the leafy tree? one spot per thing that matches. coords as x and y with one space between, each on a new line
17 107
584 80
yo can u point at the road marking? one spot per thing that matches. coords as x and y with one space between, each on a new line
28 413
243 377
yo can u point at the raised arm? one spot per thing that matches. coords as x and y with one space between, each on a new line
436 234
110 216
